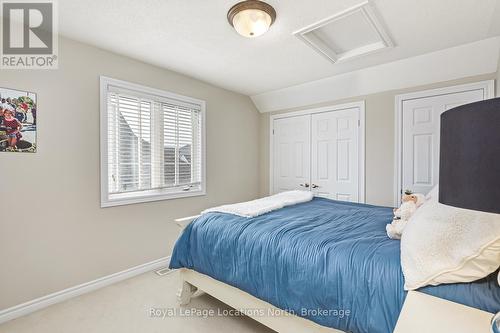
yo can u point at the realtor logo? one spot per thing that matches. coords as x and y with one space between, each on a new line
29 35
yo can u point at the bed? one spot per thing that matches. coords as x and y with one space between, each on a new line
328 262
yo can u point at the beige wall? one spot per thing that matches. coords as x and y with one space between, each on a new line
53 234
498 78
380 140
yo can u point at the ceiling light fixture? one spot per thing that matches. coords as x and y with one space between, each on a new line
251 18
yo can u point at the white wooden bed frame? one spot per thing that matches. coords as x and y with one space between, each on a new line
420 313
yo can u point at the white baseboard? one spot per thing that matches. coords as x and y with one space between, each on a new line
42 302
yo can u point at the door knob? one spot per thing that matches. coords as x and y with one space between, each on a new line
314 186
306 185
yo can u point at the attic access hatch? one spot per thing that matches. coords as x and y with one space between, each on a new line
352 33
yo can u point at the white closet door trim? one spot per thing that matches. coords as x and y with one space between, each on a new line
488 88
338 107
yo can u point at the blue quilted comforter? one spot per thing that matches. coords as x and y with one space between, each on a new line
328 261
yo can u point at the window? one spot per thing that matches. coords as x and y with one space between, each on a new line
152 144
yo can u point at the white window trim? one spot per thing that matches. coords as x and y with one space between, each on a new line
149 195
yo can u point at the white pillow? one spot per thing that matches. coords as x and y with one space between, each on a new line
445 244
433 194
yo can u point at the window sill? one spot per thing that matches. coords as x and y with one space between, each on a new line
149 196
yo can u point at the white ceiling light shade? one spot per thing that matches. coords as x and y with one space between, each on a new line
251 22
251 18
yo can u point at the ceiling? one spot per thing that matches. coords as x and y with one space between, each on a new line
193 37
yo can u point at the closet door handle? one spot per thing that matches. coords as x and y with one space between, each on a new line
306 185
314 186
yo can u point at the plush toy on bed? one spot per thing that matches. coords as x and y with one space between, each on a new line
410 203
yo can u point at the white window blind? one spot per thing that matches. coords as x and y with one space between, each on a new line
154 145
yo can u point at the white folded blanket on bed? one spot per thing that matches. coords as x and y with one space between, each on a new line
264 205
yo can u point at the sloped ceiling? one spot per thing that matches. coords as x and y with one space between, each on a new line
194 38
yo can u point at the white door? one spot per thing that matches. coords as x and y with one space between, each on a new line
291 153
420 135
335 154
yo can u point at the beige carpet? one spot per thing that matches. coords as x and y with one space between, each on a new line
125 307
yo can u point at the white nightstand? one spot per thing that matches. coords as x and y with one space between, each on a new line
423 313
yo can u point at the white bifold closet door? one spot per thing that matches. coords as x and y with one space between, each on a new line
421 128
318 152
335 156
292 153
